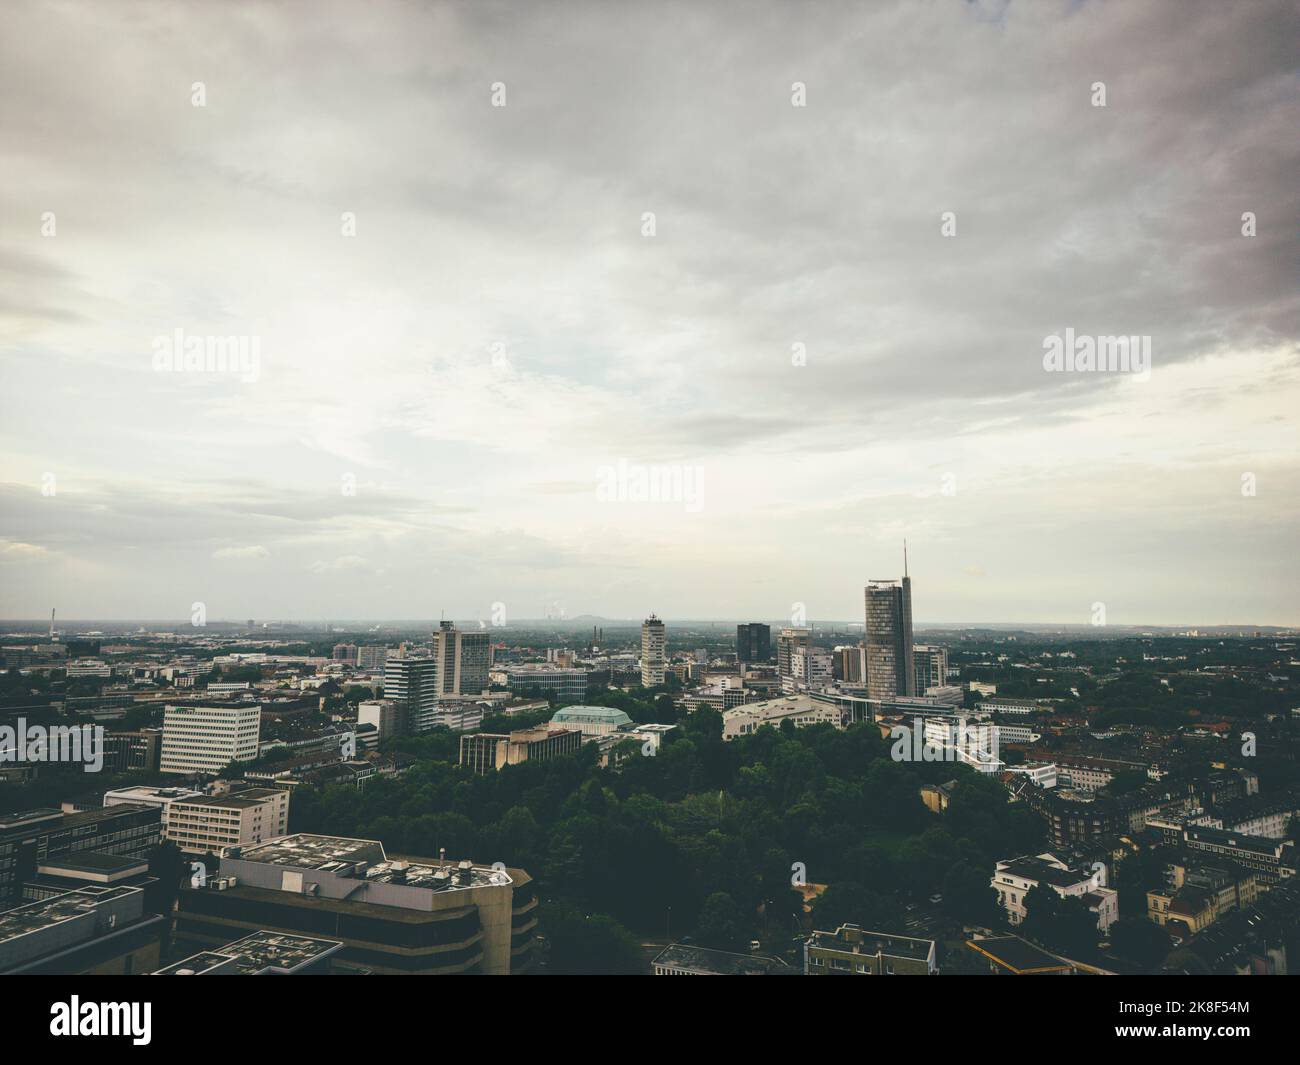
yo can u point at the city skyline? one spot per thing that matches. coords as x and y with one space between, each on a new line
597 313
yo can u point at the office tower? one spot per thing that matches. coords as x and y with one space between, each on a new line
811 666
931 667
463 660
206 739
753 642
372 656
345 653
653 643
393 915
412 686
891 670
849 664
788 641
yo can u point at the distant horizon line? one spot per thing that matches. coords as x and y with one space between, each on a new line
42 623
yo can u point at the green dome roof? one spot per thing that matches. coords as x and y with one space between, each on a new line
593 715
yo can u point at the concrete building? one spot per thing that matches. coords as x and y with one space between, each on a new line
563 685
891 666
931 667
1271 860
790 641
683 959
207 825
32 838
487 752
464 660
850 664
383 714
753 642
800 710
95 931
261 954
391 915
139 750
372 657
206 739
653 652
161 798
411 684
811 667
851 951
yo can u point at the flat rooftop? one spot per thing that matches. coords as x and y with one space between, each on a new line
37 915
262 953
24 818
721 962
860 941
1018 955
365 859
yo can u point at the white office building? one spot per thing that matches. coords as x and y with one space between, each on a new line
206 739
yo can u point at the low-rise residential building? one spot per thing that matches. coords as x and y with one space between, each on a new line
937 796
1015 878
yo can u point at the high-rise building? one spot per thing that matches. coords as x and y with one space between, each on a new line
653 645
372 656
206 739
849 664
931 667
891 669
753 642
811 666
788 641
412 686
345 653
464 659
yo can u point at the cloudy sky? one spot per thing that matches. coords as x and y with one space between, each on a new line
440 398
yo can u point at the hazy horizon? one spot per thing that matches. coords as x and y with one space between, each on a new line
432 224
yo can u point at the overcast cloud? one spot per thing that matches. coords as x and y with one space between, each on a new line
437 395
